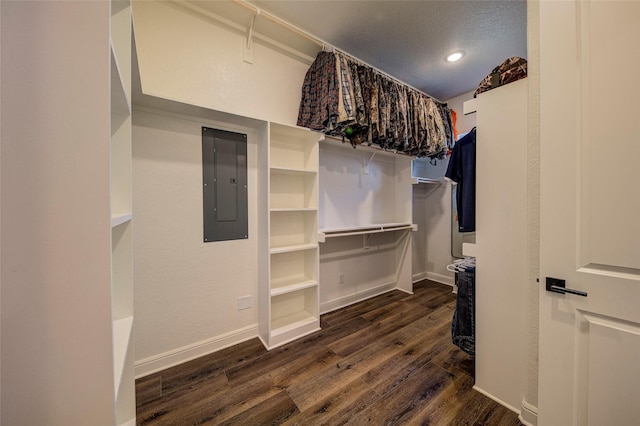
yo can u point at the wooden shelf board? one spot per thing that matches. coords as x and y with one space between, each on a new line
367 229
289 249
290 288
120 101
291 170
291 322
291 280
419 180
336 141
122 334
294 209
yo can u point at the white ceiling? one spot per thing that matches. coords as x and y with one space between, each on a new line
410 39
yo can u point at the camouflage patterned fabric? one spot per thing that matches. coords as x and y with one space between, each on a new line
349 100
511 70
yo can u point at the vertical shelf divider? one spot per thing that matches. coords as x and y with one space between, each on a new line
290 295
121 214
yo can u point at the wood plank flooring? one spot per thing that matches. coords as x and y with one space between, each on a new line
386 361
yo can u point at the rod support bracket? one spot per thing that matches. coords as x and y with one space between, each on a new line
247 51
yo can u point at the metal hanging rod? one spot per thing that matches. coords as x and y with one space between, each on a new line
324 45
272 18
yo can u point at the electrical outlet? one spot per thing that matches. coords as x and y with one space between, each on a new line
341 278
244 302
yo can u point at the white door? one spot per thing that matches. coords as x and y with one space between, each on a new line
589 371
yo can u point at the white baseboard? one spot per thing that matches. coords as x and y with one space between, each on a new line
442 279
529 414
171 358
341 302
418 277
498 400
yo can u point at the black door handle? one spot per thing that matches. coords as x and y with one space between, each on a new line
558 286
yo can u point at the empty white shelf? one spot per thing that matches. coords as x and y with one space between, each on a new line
120 102
294 209
470 106
122 330
291 170
292 322
367 229
418 180
289 288
289 249
373 148
120 218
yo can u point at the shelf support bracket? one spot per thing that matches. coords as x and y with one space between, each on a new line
365 241
365 163
247 51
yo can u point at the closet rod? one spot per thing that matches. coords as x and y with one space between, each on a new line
322 44
279 21
390 77
374 148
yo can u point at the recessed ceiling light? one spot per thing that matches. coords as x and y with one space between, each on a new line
455 56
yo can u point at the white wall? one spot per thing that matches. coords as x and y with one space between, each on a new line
349 197
57 364
432 242
464 123
197 62
432 213
186 290
182 309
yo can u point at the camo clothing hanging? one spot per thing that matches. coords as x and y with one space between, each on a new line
319 105
364 106
511 70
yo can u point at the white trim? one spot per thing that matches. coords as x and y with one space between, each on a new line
177 356
529 414
439 278
344 301
498 400
418 277
442 279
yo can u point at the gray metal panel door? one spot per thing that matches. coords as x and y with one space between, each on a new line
224 173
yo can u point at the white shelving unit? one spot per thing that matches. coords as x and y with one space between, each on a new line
365 222
121 216
501 241
289 301
428 171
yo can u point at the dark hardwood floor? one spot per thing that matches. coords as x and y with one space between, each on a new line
386 361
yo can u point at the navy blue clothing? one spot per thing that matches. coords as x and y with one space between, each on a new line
462 170
463 325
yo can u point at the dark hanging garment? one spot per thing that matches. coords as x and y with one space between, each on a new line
462 170
319 103
345 99
445 112
513 69
463 326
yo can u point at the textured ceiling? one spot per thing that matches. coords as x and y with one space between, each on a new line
410 39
